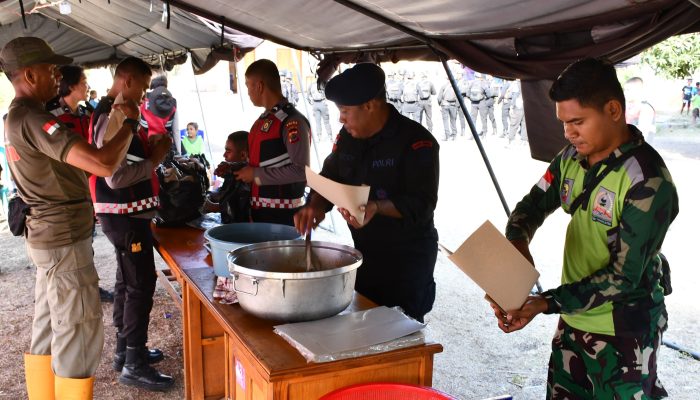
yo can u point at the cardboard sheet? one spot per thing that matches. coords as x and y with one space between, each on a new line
494 264
351 331
351 198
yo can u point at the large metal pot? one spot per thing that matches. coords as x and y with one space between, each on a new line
224 238
272 282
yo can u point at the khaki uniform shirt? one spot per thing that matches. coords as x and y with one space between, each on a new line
37 144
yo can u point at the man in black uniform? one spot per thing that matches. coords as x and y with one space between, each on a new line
398 159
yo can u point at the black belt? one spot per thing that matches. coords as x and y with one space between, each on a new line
425 98
409 102
319 100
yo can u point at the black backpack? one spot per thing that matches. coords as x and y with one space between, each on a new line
183 185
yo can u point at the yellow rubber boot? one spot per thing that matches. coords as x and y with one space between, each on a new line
39 376
74 389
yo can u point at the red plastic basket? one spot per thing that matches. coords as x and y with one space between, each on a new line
386 391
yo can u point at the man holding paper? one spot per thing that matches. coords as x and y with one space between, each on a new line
621 199
398 159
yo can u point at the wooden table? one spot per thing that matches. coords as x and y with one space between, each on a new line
231 354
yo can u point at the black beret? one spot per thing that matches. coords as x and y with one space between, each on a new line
356 85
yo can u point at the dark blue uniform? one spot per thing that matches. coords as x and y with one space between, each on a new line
401 164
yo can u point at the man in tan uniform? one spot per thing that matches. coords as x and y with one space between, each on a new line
48 162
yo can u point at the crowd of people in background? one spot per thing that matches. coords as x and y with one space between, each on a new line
413 97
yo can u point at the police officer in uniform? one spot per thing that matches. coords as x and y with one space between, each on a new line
411 97
447 100
398 158
426 90
517 113
394 89
505 100
489 102
476 92
48 162
316 97
125 203
278 149
463 82
292 93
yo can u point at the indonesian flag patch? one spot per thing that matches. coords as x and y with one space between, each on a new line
50 127
546 181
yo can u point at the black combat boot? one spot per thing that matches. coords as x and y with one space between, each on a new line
152 355
137 372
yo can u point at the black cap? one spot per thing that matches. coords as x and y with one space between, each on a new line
356 85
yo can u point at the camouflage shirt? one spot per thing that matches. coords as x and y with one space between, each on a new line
611 267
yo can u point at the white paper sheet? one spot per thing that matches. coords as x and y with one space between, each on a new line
115 122
351 331
351 198
494 264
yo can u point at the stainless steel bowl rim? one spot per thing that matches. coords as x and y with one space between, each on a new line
238 269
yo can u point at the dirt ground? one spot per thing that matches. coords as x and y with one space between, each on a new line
478 360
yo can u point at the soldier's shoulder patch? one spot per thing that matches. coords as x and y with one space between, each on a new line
422 144
293 135
291 124
565 192
603 205
50 127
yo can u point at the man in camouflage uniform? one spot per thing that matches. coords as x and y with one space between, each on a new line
611 299
426 90
394 89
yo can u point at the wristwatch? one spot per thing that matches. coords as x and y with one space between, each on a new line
134 124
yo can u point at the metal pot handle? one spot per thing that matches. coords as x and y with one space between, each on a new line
207 246
253 282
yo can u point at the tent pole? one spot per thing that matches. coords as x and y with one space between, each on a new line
204 120
477 139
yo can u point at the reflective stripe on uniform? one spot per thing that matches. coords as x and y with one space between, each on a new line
276 203
127 208
130 159
276 162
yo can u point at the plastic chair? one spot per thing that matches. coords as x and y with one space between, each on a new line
387 391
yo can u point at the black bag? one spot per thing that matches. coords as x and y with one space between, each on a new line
183 186
17 211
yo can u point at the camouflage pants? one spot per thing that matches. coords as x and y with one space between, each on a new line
586 365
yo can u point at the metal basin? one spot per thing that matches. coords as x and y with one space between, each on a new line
272 282
224 238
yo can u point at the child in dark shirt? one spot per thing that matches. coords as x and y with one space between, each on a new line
232 199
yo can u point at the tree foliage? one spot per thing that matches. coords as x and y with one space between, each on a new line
677 57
